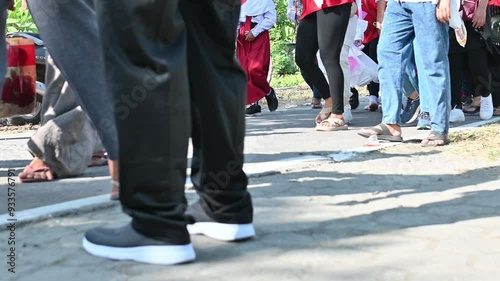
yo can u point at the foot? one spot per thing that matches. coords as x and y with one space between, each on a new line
435 139
253 110
496 111
411 111
37 171
373 104
272 100
115 190
474 107
125 243
199 222
332 123
394 130
323 115
486 109
316 103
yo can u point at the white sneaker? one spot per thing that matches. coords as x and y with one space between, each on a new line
457 115
486 110
347 114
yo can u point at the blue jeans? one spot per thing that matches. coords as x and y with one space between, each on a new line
406 24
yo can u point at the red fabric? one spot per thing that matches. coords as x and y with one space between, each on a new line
311 7
254 58
371 33
494 2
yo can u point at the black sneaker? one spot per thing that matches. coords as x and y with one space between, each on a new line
272 100
354 99
125 243
200 223
411 111
253 110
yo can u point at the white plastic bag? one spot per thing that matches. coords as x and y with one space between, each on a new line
363 69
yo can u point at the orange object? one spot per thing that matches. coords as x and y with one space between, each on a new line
18 94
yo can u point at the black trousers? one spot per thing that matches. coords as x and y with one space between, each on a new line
479 72
171 68
324 31
370 50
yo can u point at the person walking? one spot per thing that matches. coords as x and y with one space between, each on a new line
188 47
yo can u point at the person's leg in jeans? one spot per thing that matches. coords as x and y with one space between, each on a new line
394 52
431 58
332 27
316 102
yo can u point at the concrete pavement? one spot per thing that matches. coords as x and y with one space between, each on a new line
403 213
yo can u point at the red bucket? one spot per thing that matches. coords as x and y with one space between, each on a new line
18 95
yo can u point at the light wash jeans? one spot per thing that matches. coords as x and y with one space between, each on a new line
406 24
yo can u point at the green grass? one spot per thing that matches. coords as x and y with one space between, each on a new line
284 81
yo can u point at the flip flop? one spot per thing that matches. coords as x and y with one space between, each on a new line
30 171
331 124
382 133
323 115
435 136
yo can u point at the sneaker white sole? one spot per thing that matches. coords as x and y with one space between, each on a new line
164 255
222 231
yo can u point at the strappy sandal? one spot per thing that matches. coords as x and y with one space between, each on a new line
382 132
323 115
496 111
332 124
433 137
30 171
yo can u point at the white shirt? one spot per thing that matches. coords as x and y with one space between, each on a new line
266 17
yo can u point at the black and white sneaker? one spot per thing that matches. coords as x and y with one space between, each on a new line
125 243
272 100
253 110
200 223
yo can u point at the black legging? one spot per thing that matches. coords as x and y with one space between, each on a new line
479 71
370 50
324 30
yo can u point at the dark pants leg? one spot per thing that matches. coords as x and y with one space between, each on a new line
315 90
218 86
371 50
480 72
332 27
146 56
305 54
456 64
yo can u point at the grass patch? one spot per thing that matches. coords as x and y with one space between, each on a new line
290 80
483 142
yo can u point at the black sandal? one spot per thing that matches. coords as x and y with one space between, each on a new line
382 133
471 109
435 136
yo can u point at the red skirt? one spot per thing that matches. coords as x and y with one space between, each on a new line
254 57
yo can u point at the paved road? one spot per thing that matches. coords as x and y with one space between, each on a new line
279 136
